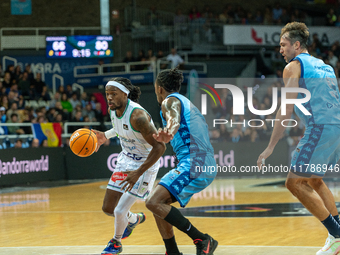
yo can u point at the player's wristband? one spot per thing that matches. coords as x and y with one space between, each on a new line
110 133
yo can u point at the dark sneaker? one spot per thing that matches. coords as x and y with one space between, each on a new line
128 231
113 247
206 246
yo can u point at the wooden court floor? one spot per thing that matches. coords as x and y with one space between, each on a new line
68 220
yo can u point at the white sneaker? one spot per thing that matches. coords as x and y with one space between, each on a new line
332 246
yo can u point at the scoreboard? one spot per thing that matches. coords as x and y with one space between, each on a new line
79 46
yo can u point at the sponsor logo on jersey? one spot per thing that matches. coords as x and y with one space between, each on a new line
125 127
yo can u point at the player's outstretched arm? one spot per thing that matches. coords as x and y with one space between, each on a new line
141 121
171 108
291 75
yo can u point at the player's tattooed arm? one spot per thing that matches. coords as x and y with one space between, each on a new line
171 108
141 122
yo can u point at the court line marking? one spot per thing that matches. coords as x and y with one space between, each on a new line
224 246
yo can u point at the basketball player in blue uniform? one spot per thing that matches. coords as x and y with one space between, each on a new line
138 163
185 128
320 145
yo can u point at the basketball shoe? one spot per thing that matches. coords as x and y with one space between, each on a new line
206 246
332 246
113 247
128 231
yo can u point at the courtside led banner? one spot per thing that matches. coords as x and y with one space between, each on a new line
270 35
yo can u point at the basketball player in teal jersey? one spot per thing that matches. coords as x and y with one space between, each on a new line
185 128
320 145
137 164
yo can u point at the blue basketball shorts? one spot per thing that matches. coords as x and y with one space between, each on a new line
318 151
184 181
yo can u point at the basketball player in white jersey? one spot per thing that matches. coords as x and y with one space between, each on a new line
137 164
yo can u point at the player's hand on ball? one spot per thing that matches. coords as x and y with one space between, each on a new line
100 137
163 135
130 180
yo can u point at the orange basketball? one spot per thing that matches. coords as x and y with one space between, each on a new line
83 142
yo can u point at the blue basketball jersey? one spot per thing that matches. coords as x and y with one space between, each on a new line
319 79
192 136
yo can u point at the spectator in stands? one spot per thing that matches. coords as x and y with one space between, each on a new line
268 17
180 19
15 129
331 18
141 55
24 85
249 19
224 17
45 95
13 109
35 143
284 17
77 118
258 17
69 90
7 82
4 102
12 98
74 100
277 12
17 74
3 119
10 69
65 103
239 14
84 99
30 74
151 57
44 143
337 23
129 58
1 71
174 58
332 59
59 118
18 144
98 113
2 89
88 111
41 119
235 136
194 14
51 114
21 103
152 16
56 98
38 85
93 101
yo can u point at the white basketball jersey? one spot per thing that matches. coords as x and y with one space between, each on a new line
132 142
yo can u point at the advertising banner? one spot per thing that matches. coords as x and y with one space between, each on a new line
21 166
270 35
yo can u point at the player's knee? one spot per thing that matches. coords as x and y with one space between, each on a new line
315 183
150 203
118 213
107 210
291 185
